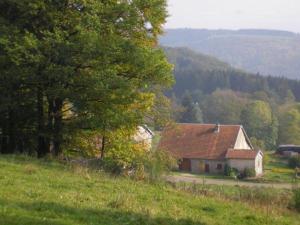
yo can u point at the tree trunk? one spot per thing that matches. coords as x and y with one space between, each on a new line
57 127
11 133
102 150
5 140
42 147
50 122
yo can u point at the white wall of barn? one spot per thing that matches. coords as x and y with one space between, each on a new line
241 142
259 164
242 164
142 136
198 166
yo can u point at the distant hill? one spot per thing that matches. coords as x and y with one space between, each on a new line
268 52
183 57
199 72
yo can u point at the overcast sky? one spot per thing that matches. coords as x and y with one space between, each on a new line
235 14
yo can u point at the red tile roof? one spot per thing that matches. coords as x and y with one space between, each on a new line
199 140
241 154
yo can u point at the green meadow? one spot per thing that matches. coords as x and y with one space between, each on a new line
34 192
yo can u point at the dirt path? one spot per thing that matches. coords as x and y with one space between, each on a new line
198 180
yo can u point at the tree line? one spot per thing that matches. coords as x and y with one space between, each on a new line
67 67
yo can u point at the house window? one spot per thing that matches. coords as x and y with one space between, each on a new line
219 166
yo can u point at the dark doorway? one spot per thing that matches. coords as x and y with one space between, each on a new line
206 168
185 165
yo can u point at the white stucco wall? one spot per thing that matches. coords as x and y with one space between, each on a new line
142 136
241 142
241 164
198 166
259 164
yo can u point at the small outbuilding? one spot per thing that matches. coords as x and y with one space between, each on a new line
144 136
289 150
208 148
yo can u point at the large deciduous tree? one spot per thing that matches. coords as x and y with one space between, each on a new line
192 112
260 123
289 129
69 65
223 106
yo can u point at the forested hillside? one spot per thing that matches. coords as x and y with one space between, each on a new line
267 52
208 90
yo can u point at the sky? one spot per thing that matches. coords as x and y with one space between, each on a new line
235 14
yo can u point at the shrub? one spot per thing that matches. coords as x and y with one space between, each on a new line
266 158
230 172
249 172
227 170
157 163
122 154
297 199
294 162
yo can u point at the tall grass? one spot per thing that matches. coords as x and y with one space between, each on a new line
267 198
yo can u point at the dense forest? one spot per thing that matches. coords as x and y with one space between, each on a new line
208 90
268 52
74 73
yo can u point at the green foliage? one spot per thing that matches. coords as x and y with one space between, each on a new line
69 67
294 162
223 106
81 144
289 129
266 158
257 143
194 72
276 169
297 199
157 163
234 173
260 122
249 172
230 172
227 170
192 112
123 155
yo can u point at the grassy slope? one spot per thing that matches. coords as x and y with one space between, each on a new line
38 193
277 170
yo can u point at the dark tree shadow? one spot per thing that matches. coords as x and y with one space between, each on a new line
71 215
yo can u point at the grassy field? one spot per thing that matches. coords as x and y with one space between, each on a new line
37 193
277 170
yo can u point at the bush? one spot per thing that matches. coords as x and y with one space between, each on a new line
266 158
297 199
157 163
294 162
249 172
227 170
231 172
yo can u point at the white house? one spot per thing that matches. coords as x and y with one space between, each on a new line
207 148
144 136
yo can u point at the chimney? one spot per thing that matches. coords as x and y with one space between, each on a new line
217 128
